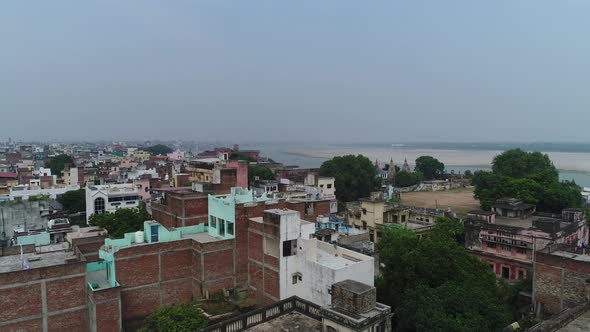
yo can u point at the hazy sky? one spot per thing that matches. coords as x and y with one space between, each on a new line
296 70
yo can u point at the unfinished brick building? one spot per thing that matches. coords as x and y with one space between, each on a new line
562 278
195 256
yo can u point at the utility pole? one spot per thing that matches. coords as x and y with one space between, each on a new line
534 281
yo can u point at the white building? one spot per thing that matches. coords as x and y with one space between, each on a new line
24 192
326 186
586 194
308 267
109 198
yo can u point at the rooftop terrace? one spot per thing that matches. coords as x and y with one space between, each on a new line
36 260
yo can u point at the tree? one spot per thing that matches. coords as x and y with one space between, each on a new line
430 167
530 176
185 317
468 174
433 284
73 201
159 149
355 176
237 155
57 163
260 172
407 179
517 163
121 221
450 228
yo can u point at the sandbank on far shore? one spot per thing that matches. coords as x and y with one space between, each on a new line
565 161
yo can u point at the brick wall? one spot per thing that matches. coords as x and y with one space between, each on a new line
53 296
181 210
560 282
149 273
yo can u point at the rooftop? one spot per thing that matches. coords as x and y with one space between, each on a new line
354 286
13 262
571 255
291 322
202 237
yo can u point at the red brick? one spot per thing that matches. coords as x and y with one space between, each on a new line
66 293
32 325
176 264
107 316
137 271
178 291
255 246
271 282
218 285
219 264
70 321
140 302
18 302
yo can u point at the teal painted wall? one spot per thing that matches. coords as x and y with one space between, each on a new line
36 239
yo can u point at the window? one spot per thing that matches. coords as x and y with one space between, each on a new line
99 205
492 267
329 186
230 228
506 248
521 251
505 272
520 274
321 185
492 245
213 222
364 225
297 277
364 211
221 223
289 248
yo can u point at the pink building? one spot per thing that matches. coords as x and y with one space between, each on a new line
507 243
242 172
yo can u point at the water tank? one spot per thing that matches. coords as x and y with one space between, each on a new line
139 237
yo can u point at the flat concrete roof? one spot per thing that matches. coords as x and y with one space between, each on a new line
202 237
291 322
13 263
281 211
571 255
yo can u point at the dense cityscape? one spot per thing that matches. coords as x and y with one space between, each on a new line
294 166
133 236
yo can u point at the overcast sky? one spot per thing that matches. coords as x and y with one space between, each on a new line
295 70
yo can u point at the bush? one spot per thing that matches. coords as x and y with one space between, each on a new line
177 317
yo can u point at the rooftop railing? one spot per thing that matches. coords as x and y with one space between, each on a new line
262 315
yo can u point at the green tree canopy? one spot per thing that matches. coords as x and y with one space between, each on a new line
355 176
433 284
57 163
121 221
73 201
260 172
237 155
178 317
430 167
517 163
530 176
407 179
158 149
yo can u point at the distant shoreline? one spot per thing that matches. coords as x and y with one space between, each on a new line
574 162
